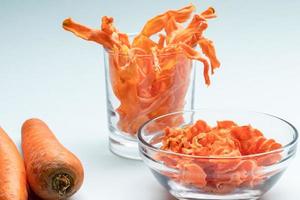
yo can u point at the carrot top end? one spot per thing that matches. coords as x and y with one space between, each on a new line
62 184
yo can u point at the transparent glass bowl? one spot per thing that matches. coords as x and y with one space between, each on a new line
220 172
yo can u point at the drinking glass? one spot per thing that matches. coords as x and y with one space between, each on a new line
140 87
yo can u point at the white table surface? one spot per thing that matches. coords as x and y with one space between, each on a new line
48 73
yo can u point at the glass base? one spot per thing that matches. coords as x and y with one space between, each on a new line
123 146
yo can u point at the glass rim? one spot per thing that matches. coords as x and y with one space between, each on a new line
179 52
290 144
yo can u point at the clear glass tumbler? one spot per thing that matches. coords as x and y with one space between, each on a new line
140 87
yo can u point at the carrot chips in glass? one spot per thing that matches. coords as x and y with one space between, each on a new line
151 77
218 161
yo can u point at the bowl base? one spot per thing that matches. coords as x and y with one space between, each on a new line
222 199
251 195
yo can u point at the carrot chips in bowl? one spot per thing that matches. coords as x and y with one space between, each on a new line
240 157
152 73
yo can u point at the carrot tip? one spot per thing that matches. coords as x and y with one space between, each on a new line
30 121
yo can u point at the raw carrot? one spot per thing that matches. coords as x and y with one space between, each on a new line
12 170
53 171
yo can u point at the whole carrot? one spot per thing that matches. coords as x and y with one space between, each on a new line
12 170
53 171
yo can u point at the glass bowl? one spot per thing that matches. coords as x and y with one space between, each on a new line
206 177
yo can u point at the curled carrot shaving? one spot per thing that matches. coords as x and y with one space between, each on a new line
171 26
151 77
161 41
182 14
88 33
209 50
107 25
192 174
157 23
209 13
154 25
144 43
226 142
195 55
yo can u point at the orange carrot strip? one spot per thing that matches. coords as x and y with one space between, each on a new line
12 170
209 50
182 14
107 25
225 124
123 37
144 43
193 54
192 174
87 33
157 23
154 25
196 21
161 41
187 35
195 28
171 25
209 13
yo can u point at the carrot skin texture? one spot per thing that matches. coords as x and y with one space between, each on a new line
53 172
13 184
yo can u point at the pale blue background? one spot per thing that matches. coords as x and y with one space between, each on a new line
46 72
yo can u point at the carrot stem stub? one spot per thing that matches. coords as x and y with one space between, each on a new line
62 183
53 172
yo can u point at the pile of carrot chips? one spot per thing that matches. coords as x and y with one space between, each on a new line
151 77
220 157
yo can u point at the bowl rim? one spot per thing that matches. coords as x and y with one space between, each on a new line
290 144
